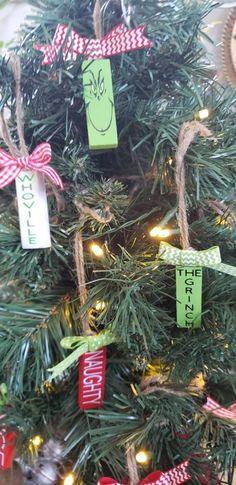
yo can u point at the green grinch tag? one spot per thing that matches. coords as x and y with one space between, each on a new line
189 296
99 102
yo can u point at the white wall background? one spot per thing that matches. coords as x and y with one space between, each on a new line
12 16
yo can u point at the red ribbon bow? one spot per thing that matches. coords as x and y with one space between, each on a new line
37 161
118 40
175 476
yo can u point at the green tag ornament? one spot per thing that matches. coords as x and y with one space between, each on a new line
4 398
188 276
189 296
99 103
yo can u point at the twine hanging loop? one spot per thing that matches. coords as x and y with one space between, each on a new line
132 465
85 213
22 151
97 19
188 132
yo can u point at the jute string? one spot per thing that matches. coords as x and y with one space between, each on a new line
97 19
188 132
132 465
22 151
85 214
150 384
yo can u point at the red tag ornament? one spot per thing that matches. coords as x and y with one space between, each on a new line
7 446
91 350
92 374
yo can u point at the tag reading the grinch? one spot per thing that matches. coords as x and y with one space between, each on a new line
99 103
189 296
33 210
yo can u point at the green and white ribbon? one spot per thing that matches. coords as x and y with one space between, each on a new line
208 258
81 345
4 398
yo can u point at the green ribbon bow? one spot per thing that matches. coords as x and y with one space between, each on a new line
209 258
81 346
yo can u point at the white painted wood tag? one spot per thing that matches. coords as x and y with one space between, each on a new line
33 210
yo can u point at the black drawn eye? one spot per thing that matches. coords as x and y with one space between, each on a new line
101 88
94 89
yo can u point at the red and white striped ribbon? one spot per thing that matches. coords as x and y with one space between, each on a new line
214 407
117 41
175 476
38 161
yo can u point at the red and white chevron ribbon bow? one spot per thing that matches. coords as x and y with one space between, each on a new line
117 41
175 476
38 161
225 413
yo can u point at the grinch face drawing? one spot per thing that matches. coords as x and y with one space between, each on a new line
100 107
99 102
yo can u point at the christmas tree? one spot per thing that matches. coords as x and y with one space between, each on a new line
106 279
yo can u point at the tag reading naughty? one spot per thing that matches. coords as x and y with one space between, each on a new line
92 375
99 103
189 296
33 210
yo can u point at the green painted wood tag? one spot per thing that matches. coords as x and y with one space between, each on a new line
189 296
99 102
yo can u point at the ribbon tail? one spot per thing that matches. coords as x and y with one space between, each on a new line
58 369
8 174
214 407
225 268
53 176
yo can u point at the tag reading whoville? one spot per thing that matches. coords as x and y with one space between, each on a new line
33 210
99 103
189 296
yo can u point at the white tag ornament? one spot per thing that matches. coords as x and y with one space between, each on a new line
28 172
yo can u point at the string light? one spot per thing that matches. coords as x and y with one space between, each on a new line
35 443
100 305
157 231
96 250
134 390
143 457
203 114
67 312
198 381
221 221
69 479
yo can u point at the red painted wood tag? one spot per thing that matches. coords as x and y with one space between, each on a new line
7 446
92 374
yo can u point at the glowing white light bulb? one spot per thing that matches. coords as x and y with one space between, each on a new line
157 231
96 250
203 114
